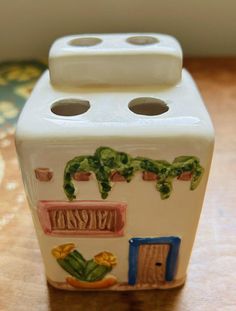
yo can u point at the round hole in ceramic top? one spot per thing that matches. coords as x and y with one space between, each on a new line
70 107
148 106
85 41
142 40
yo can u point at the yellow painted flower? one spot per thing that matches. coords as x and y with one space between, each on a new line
7 111
63 250
24 90
19 73
105 259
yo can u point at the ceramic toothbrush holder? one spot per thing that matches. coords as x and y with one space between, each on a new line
115 147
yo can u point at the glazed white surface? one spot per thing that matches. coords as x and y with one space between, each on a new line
147 215
109 114
44 139
115 61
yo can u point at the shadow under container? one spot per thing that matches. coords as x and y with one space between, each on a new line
115 147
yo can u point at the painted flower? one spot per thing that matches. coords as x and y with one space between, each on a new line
7 111
18 73
63 250
105 259
24 90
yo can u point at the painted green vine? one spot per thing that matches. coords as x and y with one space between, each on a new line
105 161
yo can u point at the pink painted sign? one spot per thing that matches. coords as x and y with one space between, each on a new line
96 218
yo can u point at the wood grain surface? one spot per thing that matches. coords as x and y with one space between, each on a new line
211 282
152 263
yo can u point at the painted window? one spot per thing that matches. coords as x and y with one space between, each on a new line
96 218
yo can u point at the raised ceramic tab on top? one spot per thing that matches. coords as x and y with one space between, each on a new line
115 59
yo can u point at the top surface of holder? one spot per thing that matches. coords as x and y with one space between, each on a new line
115 59
186 115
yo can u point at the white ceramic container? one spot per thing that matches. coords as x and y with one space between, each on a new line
115 147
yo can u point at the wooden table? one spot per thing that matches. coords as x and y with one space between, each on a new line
211 283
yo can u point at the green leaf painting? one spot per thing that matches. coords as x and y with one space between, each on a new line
85 273
106 161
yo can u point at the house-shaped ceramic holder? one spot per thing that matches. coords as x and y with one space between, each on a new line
115 147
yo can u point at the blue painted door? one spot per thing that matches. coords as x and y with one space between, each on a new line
153 260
